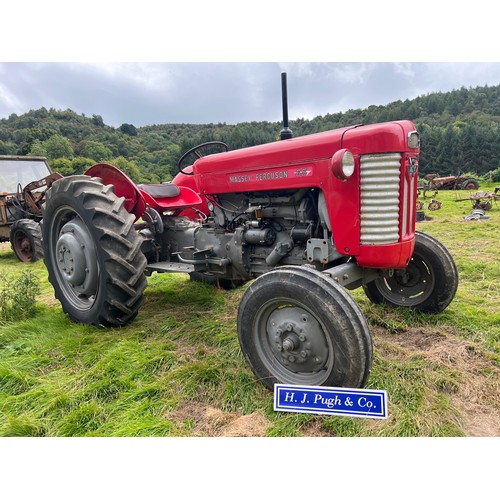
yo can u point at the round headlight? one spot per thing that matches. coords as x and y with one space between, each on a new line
413 140
343 164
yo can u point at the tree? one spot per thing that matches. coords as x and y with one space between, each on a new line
97 121
62 165
58 146
38 149
450 157
7 148
97 151
130 168
128 129
80 164
469 145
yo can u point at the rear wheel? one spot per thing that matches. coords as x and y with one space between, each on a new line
470 184
92 252
26 240
428 284
297 326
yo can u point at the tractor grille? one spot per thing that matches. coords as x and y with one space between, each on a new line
379 184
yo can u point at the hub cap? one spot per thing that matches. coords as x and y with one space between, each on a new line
76 261
297 340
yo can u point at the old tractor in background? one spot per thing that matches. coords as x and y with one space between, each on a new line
23 182
302 219
434 183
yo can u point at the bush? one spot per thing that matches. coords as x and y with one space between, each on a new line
492 176
18 296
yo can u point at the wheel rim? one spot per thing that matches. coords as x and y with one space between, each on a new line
291 342
22 246
74 256
410 286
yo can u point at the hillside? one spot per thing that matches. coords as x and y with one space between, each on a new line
460 132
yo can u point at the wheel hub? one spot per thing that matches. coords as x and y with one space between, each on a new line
297 340
76 258
408 277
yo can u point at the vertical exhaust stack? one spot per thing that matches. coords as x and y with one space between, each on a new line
285 133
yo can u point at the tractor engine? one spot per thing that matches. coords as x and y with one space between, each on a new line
246 235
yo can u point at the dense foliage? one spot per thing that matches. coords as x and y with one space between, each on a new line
460 132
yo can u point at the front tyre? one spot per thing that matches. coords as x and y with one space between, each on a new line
428 284
297 326
92 252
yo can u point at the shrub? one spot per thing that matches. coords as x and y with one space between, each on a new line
18 296
492 176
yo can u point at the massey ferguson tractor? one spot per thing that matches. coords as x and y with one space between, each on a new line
302 218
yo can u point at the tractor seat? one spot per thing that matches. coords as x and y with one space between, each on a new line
160 190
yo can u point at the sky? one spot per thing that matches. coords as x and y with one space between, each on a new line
221 61
232 92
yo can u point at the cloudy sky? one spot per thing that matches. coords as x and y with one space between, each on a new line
154 93
352 58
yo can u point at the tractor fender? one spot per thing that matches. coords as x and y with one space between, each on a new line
124 186
161 197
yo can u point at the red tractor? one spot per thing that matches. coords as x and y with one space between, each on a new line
305 218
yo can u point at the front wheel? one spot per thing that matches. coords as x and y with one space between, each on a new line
428 284
297 326
92 252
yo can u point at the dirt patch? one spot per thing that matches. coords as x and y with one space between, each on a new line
211 422
477 392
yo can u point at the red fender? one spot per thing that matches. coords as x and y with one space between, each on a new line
124 186
137 199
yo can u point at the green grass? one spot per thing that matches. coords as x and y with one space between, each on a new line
180 358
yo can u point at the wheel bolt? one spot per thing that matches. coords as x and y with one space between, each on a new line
291 359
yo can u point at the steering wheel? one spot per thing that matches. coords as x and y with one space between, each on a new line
197 151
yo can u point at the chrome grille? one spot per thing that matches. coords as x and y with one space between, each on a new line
379 184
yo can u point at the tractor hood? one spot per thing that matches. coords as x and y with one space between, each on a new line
284 164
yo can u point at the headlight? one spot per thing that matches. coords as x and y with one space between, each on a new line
343 164
413 140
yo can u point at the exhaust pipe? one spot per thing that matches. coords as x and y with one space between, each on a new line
285 133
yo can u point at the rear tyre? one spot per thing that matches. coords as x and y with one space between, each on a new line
92 252
26 240
470 184
297 326
428 284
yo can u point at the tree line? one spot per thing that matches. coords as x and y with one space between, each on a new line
460 133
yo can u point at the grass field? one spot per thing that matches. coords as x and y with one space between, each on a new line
177 370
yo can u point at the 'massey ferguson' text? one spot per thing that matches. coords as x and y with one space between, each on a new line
270 175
